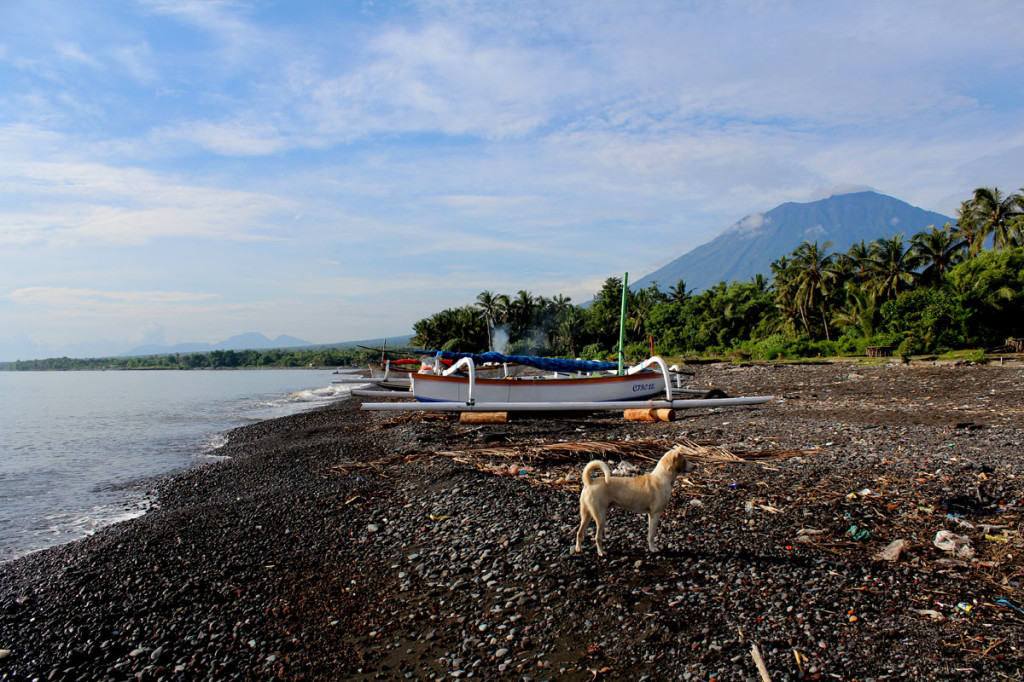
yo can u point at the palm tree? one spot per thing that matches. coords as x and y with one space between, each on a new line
860 310
938 251
968 229
560 304
520 312
855 263
995 215
570 328
815 274
678 292
785 286
893 267
490 307
640 310
760 283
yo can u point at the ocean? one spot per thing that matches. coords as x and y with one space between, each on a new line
77 448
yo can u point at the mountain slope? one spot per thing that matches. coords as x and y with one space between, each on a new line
248 341
749 246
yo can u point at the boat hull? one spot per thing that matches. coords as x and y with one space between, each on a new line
641 386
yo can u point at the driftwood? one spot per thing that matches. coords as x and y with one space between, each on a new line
651 451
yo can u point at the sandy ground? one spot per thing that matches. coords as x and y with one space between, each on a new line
340 544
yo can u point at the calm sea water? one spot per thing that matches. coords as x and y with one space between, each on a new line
76 446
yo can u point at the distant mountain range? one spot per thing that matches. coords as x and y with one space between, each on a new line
748 247
247 341
257 341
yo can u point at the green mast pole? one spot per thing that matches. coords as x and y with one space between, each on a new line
622 319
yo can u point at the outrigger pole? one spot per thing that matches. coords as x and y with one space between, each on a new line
567 406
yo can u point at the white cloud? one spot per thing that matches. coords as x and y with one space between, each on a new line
73 52
83 202
137 61
153 333
750 225
236 138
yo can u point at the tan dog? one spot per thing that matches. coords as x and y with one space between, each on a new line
645 494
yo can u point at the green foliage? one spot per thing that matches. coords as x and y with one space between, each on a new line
637 352
927 320
990 293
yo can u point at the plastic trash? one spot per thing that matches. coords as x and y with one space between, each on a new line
858 534
892 551
1006 602
931 613
959 545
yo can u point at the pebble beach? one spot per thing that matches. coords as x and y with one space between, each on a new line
875 534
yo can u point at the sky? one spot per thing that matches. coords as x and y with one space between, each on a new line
182 171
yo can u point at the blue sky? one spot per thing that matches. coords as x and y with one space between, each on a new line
176 171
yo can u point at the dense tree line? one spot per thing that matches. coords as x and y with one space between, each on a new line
218 359
952 287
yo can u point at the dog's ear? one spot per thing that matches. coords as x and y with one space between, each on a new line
688 466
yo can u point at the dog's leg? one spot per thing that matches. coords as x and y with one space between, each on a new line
584 522
599 519
652 529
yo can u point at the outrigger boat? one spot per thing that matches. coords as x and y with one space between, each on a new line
571 380
575 385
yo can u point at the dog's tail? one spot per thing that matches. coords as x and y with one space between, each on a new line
588 471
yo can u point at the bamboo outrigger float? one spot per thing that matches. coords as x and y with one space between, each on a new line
568 406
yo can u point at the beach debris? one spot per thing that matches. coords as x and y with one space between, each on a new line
755 653
647 450
808 534
959 545
891 552
858 533
931 613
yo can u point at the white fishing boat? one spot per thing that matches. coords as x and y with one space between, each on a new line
434 388
568 381
458 389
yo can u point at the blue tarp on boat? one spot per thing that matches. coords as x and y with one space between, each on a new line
546 364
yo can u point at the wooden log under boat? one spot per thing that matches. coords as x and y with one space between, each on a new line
650 415
483 418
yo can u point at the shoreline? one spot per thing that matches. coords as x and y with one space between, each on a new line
81 453
342 544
